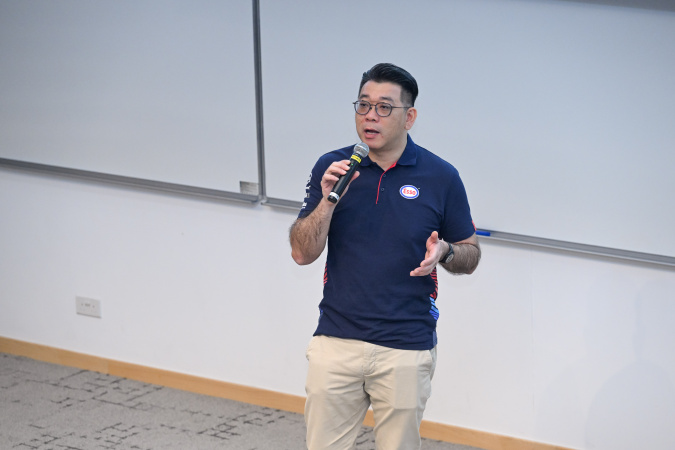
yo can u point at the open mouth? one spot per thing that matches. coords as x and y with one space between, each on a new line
369 132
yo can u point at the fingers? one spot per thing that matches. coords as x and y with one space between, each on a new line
333 174
335 171
425 268
338 168
422 270
430 257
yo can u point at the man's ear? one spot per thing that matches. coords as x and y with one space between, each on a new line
410 117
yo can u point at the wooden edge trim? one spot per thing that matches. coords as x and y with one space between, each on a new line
247 394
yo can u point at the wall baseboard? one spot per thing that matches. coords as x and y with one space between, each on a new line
247 394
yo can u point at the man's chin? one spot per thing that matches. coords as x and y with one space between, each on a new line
373 142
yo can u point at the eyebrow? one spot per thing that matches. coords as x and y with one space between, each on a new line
381 99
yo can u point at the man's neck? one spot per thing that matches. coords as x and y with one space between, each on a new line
385 158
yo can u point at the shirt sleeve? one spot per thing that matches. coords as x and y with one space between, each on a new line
457 222
313 191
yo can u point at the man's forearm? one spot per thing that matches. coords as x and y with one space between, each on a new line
465 261
308 235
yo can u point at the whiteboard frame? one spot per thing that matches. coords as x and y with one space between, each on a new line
127 181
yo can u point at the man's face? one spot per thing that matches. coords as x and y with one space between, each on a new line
384 134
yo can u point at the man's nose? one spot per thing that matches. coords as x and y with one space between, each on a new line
372 114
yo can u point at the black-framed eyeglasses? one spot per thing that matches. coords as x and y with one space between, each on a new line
382 109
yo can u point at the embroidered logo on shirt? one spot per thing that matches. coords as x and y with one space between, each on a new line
409 191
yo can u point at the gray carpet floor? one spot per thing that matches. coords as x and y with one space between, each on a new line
50 407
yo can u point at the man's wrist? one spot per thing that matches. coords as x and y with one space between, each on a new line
447 256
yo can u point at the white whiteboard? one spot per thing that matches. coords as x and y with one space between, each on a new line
160 90
560 116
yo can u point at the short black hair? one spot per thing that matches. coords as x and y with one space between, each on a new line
386 72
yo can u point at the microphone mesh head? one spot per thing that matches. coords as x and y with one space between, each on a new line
361 149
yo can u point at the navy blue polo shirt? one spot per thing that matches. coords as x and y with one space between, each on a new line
377 235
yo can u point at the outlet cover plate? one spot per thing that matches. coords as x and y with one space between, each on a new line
88 306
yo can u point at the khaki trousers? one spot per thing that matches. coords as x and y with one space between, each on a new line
346 376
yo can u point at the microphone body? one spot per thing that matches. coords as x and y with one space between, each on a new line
360 151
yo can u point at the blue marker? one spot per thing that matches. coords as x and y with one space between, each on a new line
482 233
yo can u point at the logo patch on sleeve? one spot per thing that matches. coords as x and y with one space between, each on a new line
409 191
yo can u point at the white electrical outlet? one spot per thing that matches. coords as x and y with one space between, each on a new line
88 306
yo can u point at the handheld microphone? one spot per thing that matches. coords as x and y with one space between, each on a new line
360 151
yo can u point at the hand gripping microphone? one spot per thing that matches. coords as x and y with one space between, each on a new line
360 151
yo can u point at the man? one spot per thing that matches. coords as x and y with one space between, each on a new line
405 212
